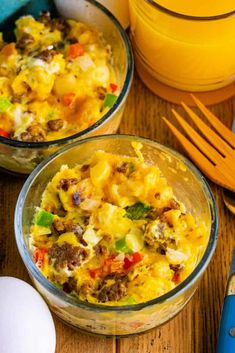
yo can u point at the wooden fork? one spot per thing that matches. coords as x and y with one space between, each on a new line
215 153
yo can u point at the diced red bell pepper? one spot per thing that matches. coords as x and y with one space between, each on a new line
113 87
9 49
4 133
137 257
94 272
76 50
69 98
39 256
176 277
127 263
131 260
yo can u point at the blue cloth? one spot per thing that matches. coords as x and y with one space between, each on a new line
8 7
11 7
33 7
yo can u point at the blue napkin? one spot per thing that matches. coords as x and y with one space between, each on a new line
10 7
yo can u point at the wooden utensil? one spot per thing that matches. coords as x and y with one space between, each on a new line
229 196
215 153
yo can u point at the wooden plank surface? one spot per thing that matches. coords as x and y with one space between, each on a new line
195 329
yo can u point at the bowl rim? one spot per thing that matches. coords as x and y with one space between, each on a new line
112 111
170 12
58 293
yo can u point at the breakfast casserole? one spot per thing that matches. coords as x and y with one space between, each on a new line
111 231
56 79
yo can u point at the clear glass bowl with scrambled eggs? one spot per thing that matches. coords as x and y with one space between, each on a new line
151 210
60 80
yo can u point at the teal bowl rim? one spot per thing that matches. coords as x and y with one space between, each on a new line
118 104
194 276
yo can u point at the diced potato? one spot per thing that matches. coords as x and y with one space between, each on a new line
110 219
135 239
39 230
90 204
118 195
18 84
57 65
100 173
175 257
86 37
75 28
65 84
86 63
133 187
101 76
173 217
50 38
69 238
91 237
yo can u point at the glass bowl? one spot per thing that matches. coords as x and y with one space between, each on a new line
22 157
189 186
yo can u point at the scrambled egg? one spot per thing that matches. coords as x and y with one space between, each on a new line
55 80
111 231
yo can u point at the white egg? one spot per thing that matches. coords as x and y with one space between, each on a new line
26 324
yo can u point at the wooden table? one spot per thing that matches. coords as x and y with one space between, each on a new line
195 329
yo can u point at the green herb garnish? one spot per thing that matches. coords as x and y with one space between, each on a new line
137 211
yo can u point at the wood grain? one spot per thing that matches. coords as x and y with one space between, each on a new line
195 329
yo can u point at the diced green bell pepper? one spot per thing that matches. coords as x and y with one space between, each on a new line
44 218
121 245
129 300
5 104
109 100
131 167
51 114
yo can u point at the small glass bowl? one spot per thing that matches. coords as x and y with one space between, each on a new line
21 157
189 186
